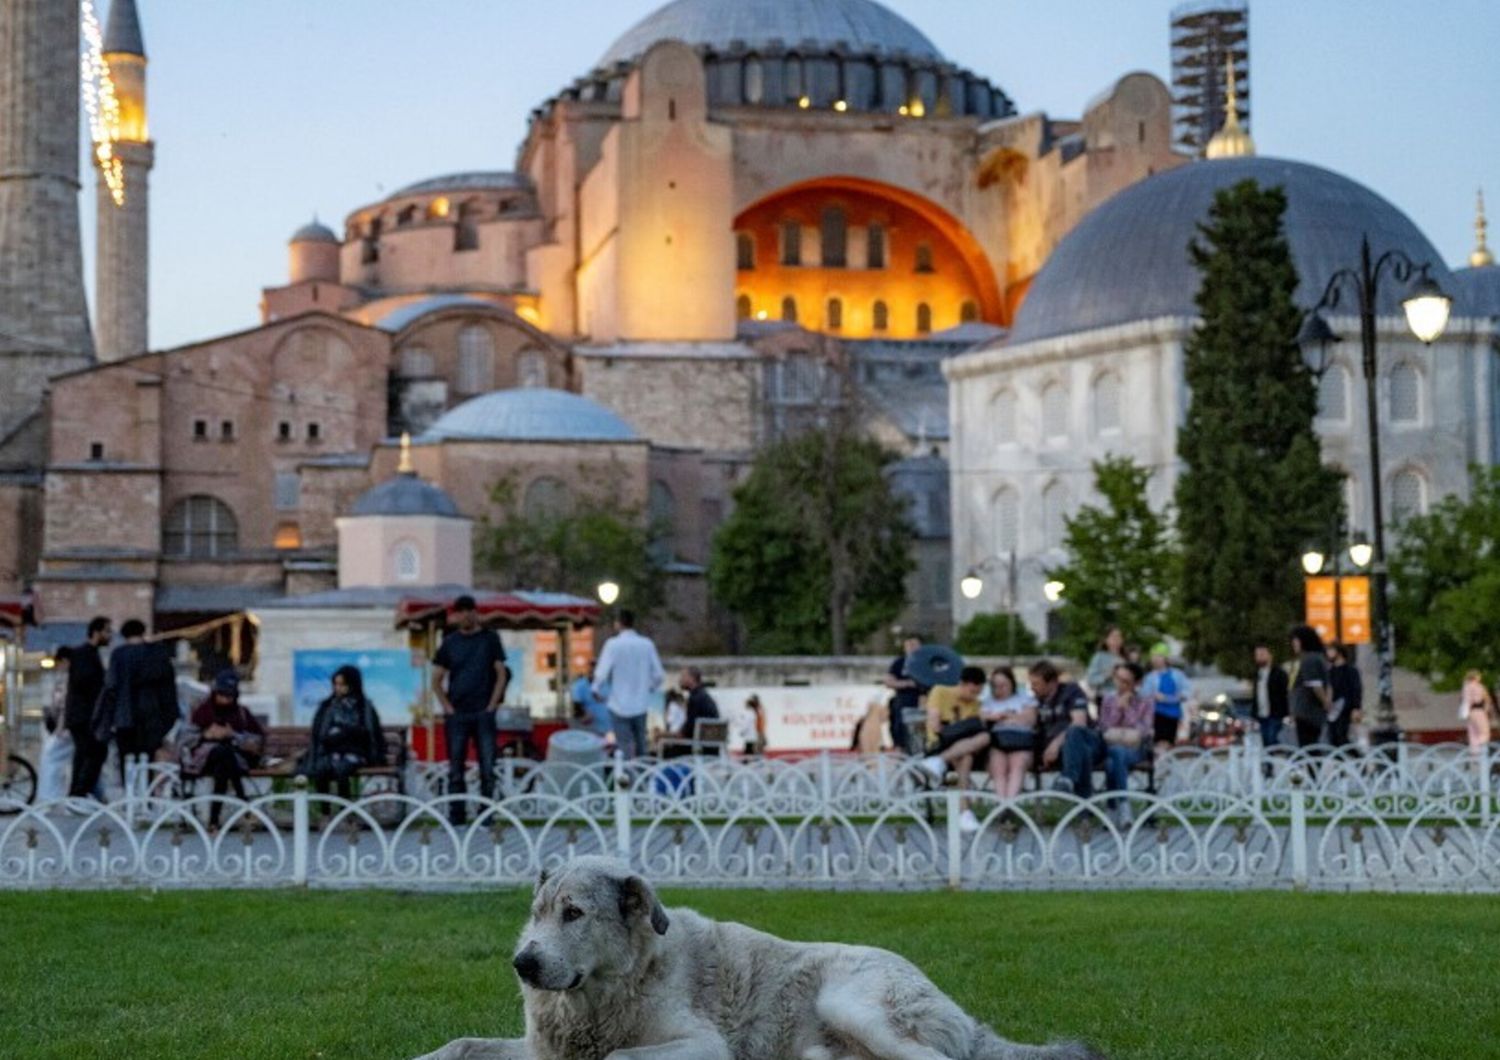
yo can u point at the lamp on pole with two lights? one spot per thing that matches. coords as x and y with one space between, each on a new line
971 585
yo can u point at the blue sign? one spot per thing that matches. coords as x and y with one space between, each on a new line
392 683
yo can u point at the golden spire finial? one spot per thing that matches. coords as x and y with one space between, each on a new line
1481 255
1231 141
405 468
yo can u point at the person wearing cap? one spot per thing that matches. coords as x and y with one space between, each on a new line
1168 689
223 742
469 678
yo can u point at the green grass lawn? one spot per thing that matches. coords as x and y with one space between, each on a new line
379 974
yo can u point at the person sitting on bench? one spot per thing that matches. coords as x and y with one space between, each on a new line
346 735
1127 718
1070 740
962 739
223 742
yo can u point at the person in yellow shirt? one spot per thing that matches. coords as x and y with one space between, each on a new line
959 737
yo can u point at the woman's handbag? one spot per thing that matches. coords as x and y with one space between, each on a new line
1122 736
1012 738
955 731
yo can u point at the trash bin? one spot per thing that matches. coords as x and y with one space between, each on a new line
575 764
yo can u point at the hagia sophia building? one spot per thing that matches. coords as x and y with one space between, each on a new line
738 199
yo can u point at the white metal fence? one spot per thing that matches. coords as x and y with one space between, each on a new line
1419 819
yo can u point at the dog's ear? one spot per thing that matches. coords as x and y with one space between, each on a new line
638 899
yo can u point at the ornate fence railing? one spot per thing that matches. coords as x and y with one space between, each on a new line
1426 820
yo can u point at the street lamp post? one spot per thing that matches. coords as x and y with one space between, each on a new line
972 584
1427 315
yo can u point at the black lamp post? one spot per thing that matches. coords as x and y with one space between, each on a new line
1427 315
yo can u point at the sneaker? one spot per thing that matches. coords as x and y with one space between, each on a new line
967 822
1063 785
1124 816
935 768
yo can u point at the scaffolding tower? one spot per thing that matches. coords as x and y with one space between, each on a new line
1206 36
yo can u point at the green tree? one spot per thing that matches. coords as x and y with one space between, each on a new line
817 551
1445 581
572 545
1122 564
1253 490
996 634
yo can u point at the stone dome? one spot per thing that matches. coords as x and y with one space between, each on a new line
1476 291
862 27
480 180
531 414
314 232
1128 259
406 494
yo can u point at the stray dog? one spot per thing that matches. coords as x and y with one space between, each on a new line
607 972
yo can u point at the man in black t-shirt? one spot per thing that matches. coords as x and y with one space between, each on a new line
1070 740
469 678
907 694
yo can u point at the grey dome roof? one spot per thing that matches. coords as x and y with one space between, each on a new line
314 232
864 26
1476 291
486 180
122 30
406 494
1128 259
530 415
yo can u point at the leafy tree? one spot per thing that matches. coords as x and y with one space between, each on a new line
1253 490
1122 564
996 634
1445 578
817 551
593 537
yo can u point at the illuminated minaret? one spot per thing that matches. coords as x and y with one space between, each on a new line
44 325
122 256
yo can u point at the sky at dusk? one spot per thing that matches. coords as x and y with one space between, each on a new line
265 112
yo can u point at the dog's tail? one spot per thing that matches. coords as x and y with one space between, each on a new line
990 1046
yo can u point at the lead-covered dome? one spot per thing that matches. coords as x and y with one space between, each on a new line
860 26
530 414
406 494
1128 259
1476 291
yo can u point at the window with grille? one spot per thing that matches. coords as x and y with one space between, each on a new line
661 506
835 238
1406 394
1003 416
799 380
200 527
880 316
789 309
875 246
476 360
1107 404
744 248
1408 496
406 562
1054 515
1333 395
1054 411
924 318
288 491
791 243
466 234
416 363
924 257
531 369
835 313
547 499
1005 516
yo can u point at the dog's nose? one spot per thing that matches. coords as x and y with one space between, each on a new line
527 965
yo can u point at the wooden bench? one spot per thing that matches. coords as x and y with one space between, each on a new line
285 745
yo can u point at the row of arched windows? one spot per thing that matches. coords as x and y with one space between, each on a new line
880 313
1105 401
1403 394
476 363
1005 518
833 245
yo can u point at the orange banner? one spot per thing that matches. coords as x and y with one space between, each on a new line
1354 609
1321 605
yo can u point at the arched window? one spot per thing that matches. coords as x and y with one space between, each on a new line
199 527
531 369
835 238
789 309
743 307
875 246
1408 495
1005 517
880 316
744 250
1003 417
661 509
476 360
1107 404
416 363
1333 395
1406 394
1054 411
1054 515
835 313
791 243
924 257
406 562
924 318
968 313
755 81
547 500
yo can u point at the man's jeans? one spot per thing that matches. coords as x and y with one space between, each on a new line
1118 761
1270 732
630 734
460 728
1082 752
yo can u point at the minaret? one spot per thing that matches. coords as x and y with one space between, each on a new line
1231 141
44 325
1481 256
121 257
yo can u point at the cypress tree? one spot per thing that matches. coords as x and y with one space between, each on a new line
1253 491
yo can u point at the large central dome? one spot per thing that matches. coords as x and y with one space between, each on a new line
862 26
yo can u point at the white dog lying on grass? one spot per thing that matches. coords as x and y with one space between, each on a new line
607 972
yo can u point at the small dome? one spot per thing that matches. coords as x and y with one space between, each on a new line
406 494
1127 260
531 414
1476 292
314 232
862 26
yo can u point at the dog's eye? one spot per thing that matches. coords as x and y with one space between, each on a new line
571 913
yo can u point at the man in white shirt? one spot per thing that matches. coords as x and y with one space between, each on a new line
631 672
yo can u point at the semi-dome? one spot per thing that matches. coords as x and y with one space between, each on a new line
859 26
530 414
1128 259
314 232
406 494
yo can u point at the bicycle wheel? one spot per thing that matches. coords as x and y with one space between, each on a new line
17 784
